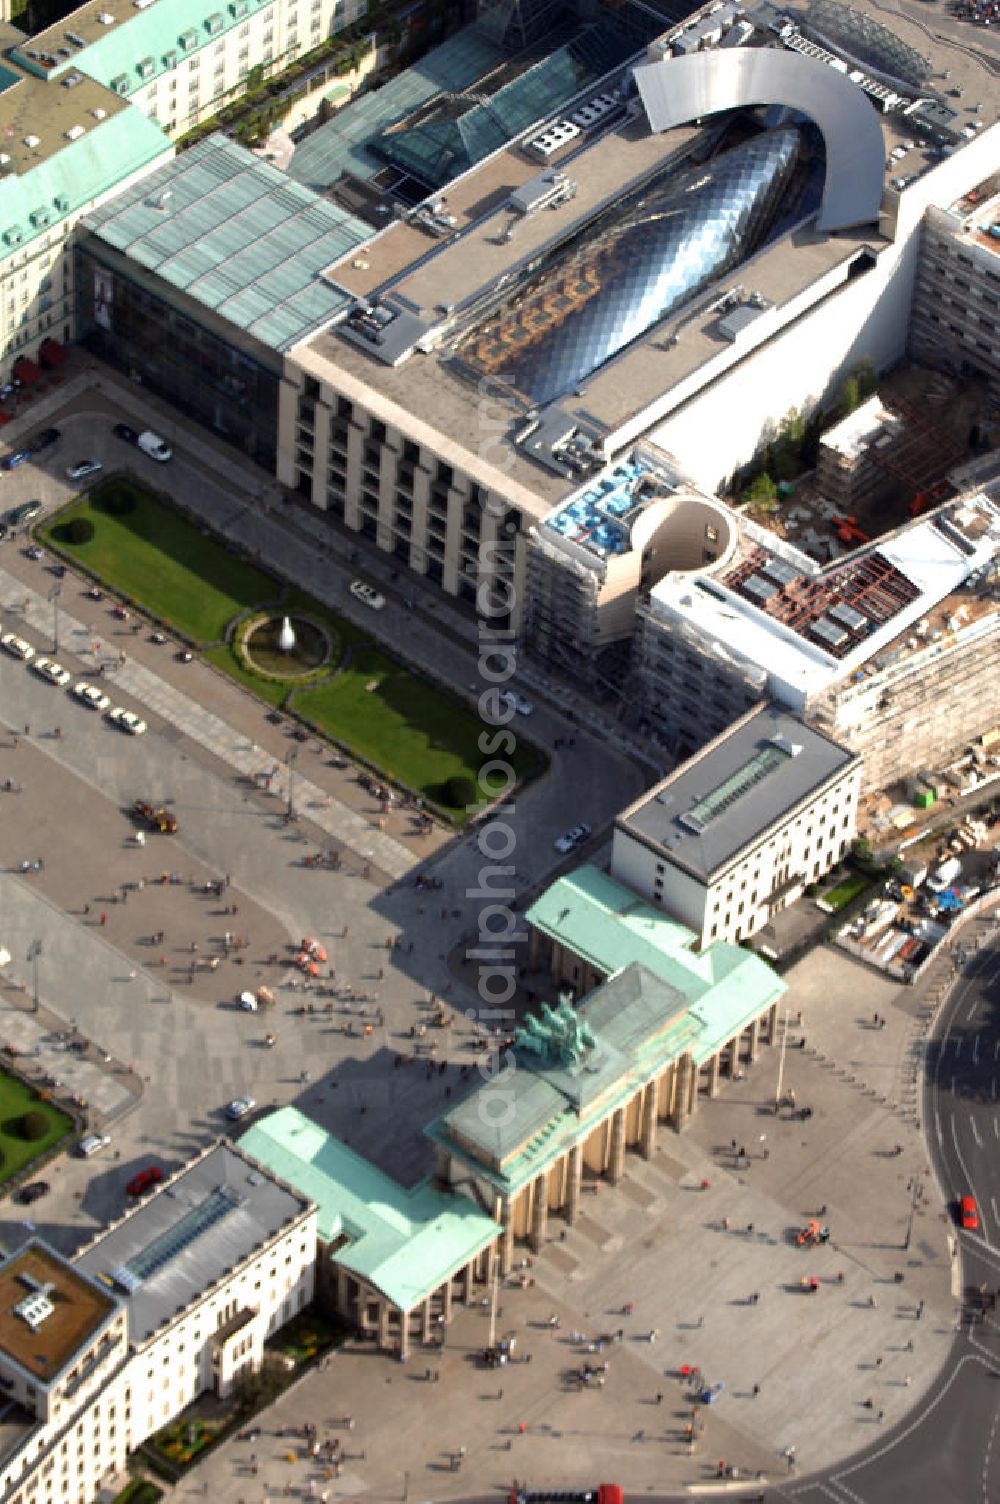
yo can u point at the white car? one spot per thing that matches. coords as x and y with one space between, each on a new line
572 839
516 702
127 720
91 695
54 672
239 1108
17 646
367 595
92 1144
158 449
248 1002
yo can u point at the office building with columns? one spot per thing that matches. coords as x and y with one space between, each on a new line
389 1260
656 1030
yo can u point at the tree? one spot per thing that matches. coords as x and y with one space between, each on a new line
865 376
78 530
34 1125
848 397
761 489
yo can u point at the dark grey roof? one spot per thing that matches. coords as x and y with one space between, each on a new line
728 796
683 89
204 1222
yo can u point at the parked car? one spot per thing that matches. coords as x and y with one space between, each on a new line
367 595
92 1143
54 672
91 695
968 1213
17 646
44 440
516 702
127 720
239 1108
15 458
123 431
572 839
26 512
33 1191
139 1184
83 468
34 552
158 449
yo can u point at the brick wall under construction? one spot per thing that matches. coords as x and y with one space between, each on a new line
914 713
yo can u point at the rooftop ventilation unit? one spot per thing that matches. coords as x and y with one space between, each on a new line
104 19
34 1308
120 83
74 133
61 202
71 80
99 114
141 4
31 142
71 36
4 158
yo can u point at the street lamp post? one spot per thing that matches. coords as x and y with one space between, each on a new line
781 1059
54 595
34 951
290 811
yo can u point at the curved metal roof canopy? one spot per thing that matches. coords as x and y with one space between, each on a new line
683 89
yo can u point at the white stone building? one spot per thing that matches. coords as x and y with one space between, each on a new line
738 831
174 1299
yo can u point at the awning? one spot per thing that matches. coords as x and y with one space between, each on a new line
25 371
52 354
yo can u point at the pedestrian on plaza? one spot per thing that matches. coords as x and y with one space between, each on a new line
881 1416
755 1391
907 1380
659 1397
104 919
725 1224
27 729
878 1361
86 908
872 1303
920 1310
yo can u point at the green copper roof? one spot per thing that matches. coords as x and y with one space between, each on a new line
660 1001
79 171
235 234
404 1243
605 923
137 44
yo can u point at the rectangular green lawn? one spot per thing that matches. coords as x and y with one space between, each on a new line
846 891
15 1100
412 731
162 561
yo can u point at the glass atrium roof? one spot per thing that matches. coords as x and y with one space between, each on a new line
634 265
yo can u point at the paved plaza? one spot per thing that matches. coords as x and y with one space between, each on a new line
699 1241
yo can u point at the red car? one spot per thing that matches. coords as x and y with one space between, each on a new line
969 1213
140 1183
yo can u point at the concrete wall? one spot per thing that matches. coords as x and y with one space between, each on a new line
719 430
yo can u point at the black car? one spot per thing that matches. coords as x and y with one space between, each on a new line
32 1192
45 440
122 431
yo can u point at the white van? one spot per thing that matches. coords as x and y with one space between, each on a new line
92 1143
158 449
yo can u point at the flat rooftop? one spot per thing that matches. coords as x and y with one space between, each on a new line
733 792
36 113
49 1310
407 267
191 1233
801 632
